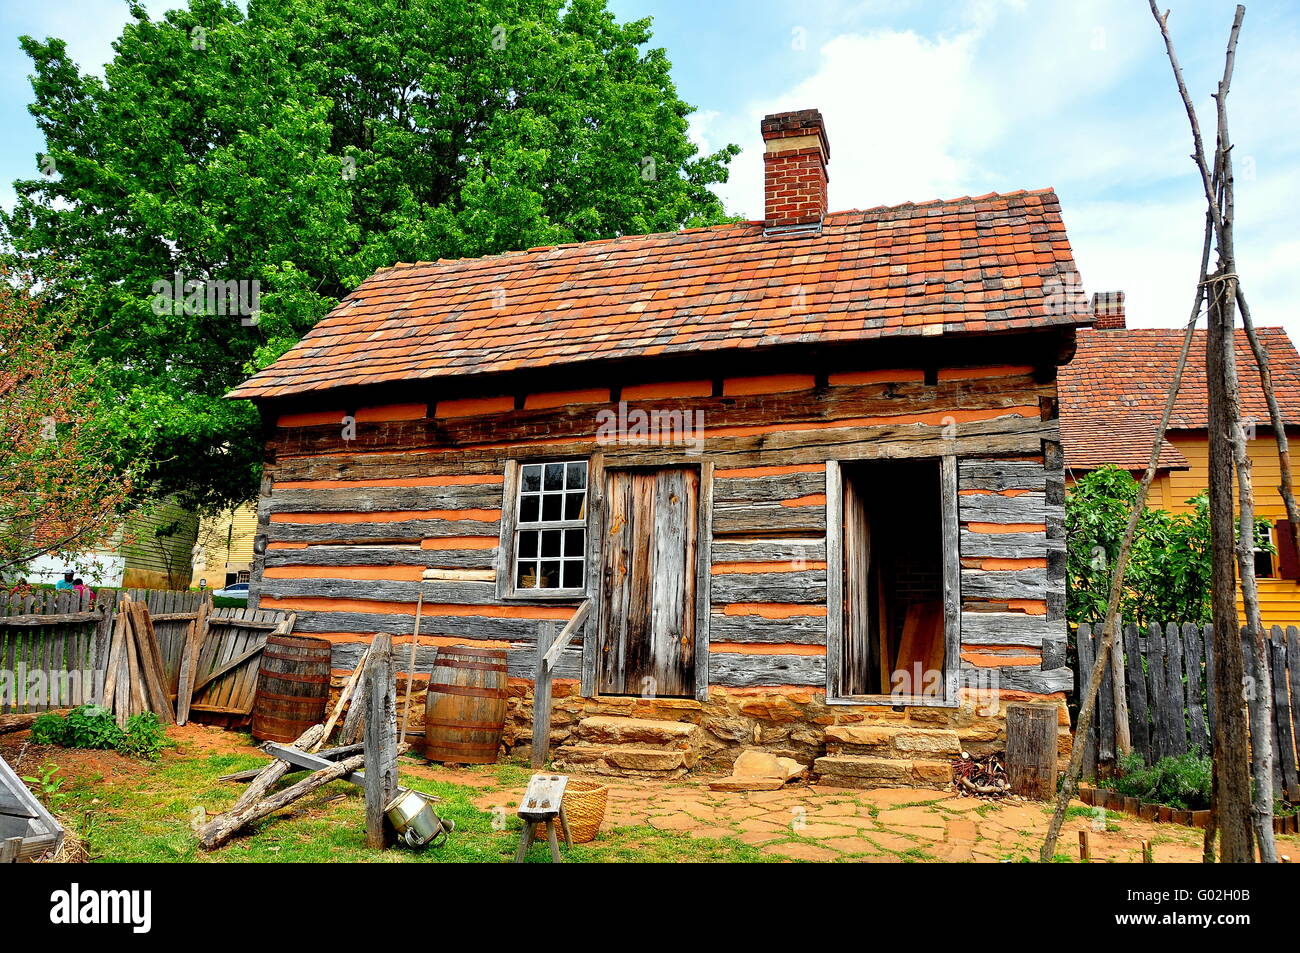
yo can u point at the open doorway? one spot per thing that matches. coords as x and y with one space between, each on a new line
893 634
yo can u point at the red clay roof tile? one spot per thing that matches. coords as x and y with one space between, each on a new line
962 266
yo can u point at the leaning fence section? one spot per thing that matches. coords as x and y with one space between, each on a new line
55 647
1168 670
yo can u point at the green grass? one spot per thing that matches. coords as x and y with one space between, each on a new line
147 820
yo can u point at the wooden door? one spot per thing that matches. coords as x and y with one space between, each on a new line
647 628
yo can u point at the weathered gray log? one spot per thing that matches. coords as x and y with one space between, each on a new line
1007 545
805 588
1031 750
408 530
1003 584
768 550
224 826
1007 628
269 776
794 630
736 670
1017 678
380 682
387 499
329 754
542 697
995 508
749 518
377 554
1000 475
467 627
767 489
519 659
23 720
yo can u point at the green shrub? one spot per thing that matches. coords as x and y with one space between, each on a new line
49 729
1181 782
144 737
91 727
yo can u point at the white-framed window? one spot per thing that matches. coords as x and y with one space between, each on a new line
548 554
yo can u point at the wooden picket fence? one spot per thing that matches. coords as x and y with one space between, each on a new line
1167 673
62 632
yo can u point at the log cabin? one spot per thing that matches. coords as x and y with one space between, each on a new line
806 469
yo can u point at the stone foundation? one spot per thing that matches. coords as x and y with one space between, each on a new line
787 721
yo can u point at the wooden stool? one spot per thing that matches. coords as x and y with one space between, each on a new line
542 805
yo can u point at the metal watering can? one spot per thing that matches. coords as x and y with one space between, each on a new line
414 819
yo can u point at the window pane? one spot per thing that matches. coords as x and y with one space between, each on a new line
531 480
577 477
574 542
572 574
551 542
551 506
526 577
555 476
529 509
528 543
550 575
573 505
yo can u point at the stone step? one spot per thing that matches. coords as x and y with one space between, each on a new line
641 732
865 771
892 741
624 760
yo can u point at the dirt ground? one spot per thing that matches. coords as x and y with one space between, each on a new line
799 822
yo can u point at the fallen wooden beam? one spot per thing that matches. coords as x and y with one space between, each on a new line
23 720
224 826
310 762
329 754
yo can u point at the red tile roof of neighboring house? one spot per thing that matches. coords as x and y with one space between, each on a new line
963 266
1113 393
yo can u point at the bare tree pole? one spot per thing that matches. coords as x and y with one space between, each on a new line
1227 447
1105 651
1275 418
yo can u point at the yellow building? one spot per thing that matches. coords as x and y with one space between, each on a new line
223 553
1113 393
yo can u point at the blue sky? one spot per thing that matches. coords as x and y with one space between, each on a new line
932 99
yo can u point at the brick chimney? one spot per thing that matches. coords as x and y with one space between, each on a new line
1108 311
795 157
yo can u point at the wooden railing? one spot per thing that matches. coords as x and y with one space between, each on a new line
548 653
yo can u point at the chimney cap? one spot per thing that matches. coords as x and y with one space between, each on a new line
794 124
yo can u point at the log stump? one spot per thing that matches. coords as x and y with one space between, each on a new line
1031 750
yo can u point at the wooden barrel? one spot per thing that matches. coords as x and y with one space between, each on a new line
293 687
465 709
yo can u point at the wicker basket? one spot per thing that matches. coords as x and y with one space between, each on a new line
584 807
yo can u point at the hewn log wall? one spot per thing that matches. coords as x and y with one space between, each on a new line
359 502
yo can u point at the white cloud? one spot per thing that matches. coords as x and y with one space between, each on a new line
995 95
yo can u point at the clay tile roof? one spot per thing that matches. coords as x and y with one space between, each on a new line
1113 392
963 266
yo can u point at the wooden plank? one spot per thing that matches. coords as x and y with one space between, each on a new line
726 551
505 552
1193 651
380 739
1105 710
701 548
1284 749
1162 722
1086 734
1174 687
1257 700
1139 724
314 762
469 627
953 581
1031 750
541 751
1017 678
382 554
767 489
834 621
1207 641
1293 684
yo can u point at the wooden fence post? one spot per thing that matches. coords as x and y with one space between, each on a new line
542 697
380 738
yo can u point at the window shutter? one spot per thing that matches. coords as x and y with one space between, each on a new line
1288 560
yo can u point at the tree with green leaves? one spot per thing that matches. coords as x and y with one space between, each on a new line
1168 578
293 149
